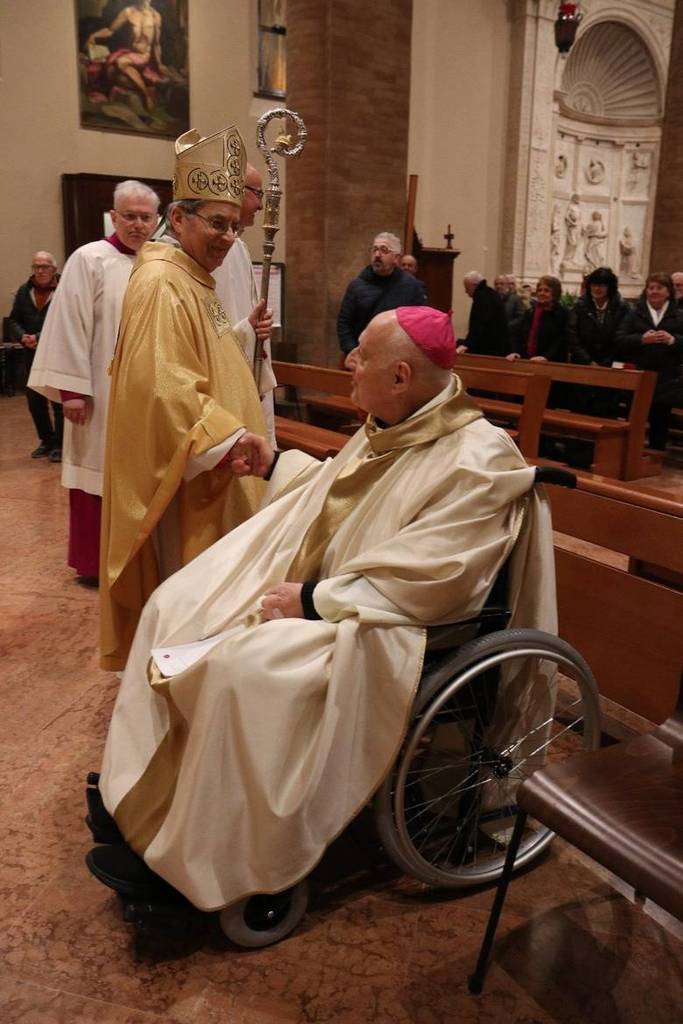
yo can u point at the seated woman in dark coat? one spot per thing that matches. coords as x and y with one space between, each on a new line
651 337
596 318
593 325
542 334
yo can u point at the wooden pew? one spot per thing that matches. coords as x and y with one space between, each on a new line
317 378
336 385
290 433
528 416
628 627
315 441
618 444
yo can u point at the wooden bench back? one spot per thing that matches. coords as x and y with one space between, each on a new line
627 627
317 378
531 387
570 373
641 384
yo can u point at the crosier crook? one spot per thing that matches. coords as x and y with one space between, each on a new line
271 200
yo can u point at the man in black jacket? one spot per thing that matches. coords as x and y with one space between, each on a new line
487 331
31 304
379 287
512 302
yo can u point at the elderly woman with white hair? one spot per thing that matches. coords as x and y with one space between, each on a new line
76 348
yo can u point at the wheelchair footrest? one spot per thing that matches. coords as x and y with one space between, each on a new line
157 914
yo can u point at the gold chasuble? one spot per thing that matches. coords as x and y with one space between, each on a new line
239 749
180 386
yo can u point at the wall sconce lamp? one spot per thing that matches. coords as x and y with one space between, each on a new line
568 18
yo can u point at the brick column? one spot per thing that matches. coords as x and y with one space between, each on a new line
348 74
667 232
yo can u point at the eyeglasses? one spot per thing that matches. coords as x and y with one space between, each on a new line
218 225
42 266
258 192
130 217
383 249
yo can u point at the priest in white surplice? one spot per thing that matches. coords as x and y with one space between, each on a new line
237 291
76 347
270 680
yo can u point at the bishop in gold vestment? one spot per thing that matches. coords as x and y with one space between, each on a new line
182 394
246 735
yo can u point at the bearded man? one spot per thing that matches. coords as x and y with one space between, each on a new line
380 286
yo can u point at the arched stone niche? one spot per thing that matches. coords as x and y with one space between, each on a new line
583 139
607 121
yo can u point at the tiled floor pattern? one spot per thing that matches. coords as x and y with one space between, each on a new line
374 947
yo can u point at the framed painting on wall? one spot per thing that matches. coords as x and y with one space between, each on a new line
133 66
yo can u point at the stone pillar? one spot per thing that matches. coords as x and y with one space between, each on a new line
667 233
526 226
348 73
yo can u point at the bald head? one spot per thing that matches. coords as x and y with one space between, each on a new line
409 263
392 377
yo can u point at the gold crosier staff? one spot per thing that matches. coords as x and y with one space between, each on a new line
272 195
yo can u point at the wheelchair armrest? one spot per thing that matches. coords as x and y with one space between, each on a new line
454 634
555 475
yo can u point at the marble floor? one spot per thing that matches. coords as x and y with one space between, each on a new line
374 947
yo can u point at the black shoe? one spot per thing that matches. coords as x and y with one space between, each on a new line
122 870
41 452
100 822
56 455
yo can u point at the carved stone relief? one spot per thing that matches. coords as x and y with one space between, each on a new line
595 171
572 221
638 174
560 165
595 236
556 239
628 255
585 196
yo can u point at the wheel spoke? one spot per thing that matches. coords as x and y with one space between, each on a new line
445 813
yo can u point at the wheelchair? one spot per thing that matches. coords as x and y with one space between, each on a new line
490 708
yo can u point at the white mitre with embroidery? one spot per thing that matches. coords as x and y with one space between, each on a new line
210 169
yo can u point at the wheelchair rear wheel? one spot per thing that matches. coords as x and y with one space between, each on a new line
484 718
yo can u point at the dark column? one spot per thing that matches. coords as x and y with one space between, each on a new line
348 69
667 234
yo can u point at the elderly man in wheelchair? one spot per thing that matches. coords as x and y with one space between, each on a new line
308 663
